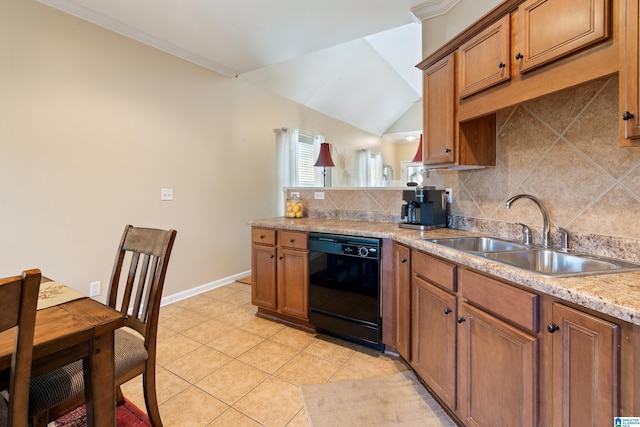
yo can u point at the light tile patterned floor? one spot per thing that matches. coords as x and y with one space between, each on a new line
220 365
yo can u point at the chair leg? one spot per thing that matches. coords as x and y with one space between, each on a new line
119 395
150 397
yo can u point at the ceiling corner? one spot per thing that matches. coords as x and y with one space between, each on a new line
433 8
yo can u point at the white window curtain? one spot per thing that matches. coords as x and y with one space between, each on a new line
286 163
368 169
361 175
375 172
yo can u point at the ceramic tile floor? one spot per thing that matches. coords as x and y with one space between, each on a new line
220 365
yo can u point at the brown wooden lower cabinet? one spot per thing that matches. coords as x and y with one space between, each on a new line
279 272
263 276
500 355
585 368
433 343
293 275
497 371
402 300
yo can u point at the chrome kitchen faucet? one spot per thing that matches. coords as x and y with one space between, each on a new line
545 216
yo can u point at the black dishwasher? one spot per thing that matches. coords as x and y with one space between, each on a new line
344 287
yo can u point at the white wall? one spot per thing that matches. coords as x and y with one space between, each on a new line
93 124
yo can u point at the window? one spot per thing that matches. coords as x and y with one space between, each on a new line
307 153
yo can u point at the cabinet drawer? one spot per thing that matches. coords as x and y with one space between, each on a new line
293 239
265 236
436 271
513 304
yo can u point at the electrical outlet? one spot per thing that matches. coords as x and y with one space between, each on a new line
95 288
166 194
318 195
449 193
295 194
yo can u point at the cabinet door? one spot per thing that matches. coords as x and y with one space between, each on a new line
585 368
551 29
485 60
630 73
439 112
498 372
293 278
263 276
433 344
402 299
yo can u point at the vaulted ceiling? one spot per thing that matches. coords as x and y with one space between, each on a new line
353 60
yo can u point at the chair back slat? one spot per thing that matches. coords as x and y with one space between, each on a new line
130 284
19 296
147 251
143 287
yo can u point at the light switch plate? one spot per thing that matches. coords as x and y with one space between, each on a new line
166 194
94 289
318 195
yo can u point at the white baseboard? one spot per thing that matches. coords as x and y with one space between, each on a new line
170 299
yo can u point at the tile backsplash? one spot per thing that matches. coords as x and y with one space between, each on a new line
563 149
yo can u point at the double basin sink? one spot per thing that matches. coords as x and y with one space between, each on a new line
543 261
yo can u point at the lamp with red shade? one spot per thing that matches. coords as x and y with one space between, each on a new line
418 156
324 160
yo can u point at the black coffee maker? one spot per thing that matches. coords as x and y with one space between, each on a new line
425 208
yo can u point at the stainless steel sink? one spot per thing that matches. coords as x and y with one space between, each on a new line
477 244
549 262
546 262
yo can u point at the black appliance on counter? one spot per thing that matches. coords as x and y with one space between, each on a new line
425 208
344 287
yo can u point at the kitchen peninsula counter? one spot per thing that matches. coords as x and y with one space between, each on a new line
615 294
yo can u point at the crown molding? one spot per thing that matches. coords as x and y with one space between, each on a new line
433 8
84 13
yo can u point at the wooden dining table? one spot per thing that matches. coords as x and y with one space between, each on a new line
69 331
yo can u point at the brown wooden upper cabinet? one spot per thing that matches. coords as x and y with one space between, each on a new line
630 74
485 60
551 29
439 112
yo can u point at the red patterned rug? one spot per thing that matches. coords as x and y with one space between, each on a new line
127 415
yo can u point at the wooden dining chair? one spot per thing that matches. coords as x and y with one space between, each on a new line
135 289
19 296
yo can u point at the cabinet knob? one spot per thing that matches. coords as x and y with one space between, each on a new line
262 236
291 241
403 260
279 257
519 56
460 319
552 328
627 115
272 256
502 65
447 150
447 310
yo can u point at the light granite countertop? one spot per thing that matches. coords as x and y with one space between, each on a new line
615 294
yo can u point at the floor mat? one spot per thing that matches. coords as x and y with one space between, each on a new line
395 400
127 415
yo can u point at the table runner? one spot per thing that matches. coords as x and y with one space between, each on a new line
55 293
